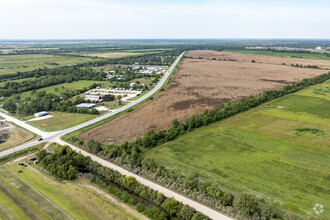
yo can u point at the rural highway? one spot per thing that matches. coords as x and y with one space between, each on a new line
55 137
51 136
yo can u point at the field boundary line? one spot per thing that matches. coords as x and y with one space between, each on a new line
45 197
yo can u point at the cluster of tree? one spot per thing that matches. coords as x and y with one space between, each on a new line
42 101
50 77
31 51
61 163
129 154
77 73
163 58
64 164
108 97
305 66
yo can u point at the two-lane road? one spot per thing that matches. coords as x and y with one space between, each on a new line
55 137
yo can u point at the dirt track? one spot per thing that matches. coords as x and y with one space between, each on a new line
197 85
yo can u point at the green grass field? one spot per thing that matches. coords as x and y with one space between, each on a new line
320 56
33 61
78 198
62 120
270 151
26 198
60 88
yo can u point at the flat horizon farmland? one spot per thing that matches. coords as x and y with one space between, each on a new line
278 152
15 63
197 85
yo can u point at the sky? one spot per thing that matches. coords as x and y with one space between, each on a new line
174 19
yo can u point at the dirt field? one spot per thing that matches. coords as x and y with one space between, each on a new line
209 54
197 85
113 55
17 136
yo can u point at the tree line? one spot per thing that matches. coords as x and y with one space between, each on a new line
42 101
65 163
129 154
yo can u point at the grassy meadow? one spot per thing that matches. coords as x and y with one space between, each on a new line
278 151
62 120
33 61
60 88
33 195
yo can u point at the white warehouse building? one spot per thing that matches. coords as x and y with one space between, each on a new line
40 114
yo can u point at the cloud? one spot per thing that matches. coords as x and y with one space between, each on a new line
159 19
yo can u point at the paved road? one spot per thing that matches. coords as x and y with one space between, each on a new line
55 137
50 136
168 193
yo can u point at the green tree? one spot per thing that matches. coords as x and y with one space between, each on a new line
246 204
10 106
172 206
119 97
186 212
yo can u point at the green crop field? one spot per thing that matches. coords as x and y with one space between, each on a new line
320 56
62 120
26 198
278 151
32 195
33 61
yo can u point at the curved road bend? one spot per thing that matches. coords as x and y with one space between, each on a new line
55 137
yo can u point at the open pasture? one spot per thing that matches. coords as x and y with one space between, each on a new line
15 63
62 120
197 85
278 151
113 54
60 88
33 195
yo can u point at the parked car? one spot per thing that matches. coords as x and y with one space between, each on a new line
40 139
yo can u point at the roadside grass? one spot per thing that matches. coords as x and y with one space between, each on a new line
61 120
74 197
320 56
112 104
144 80
34 61
17 136
259 152
21 153
28 199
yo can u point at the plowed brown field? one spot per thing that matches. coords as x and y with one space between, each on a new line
200 84
209 54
